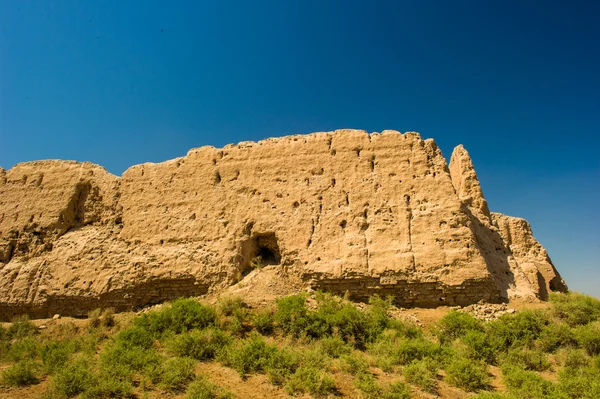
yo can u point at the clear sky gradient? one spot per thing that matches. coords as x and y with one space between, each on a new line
517 82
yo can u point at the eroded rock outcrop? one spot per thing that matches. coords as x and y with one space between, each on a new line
339 211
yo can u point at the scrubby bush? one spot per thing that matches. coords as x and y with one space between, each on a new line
249 355
396 390
403 329
281 364
491 395
176 373
589 338
21 327
108 386
467 374
354 363
574 358
455 324
263 321
183 315
333 347
477 346
292 315
367 385
22 373
519 329
555 336
227 306
310 379
22 349
574 308
333 317
526 384
370 389
414 349
422 373
580 382
94 318
55 354
73 379
199 344
202 388
527 359
122 358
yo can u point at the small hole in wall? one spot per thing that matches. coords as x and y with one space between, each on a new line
358 152
217 178
295 205
343 224
257 251
333 152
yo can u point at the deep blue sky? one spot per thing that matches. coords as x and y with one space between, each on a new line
517 82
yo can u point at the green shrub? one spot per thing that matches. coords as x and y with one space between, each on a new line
135 337
227 306
309 379
526 384
108 386
455 324
334 347
202 388
94 318
467 374
396 390
281 364
108 318
263 321
403 329
55 354
422 373
490 395
236 324
22 349
176 373
73 379
22 373
555 336
519 329
333 317
291 316
354 363
527 359
121 359
21 327
589 338
249 355
367 385
476 345
414 349
575 309
370 389
574 358
390 350
183 315
579 382
199 344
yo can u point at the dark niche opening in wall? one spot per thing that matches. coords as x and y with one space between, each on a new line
257 251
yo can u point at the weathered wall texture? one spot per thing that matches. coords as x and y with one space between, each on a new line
343 211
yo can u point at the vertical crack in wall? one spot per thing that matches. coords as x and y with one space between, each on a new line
409 217
316 221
